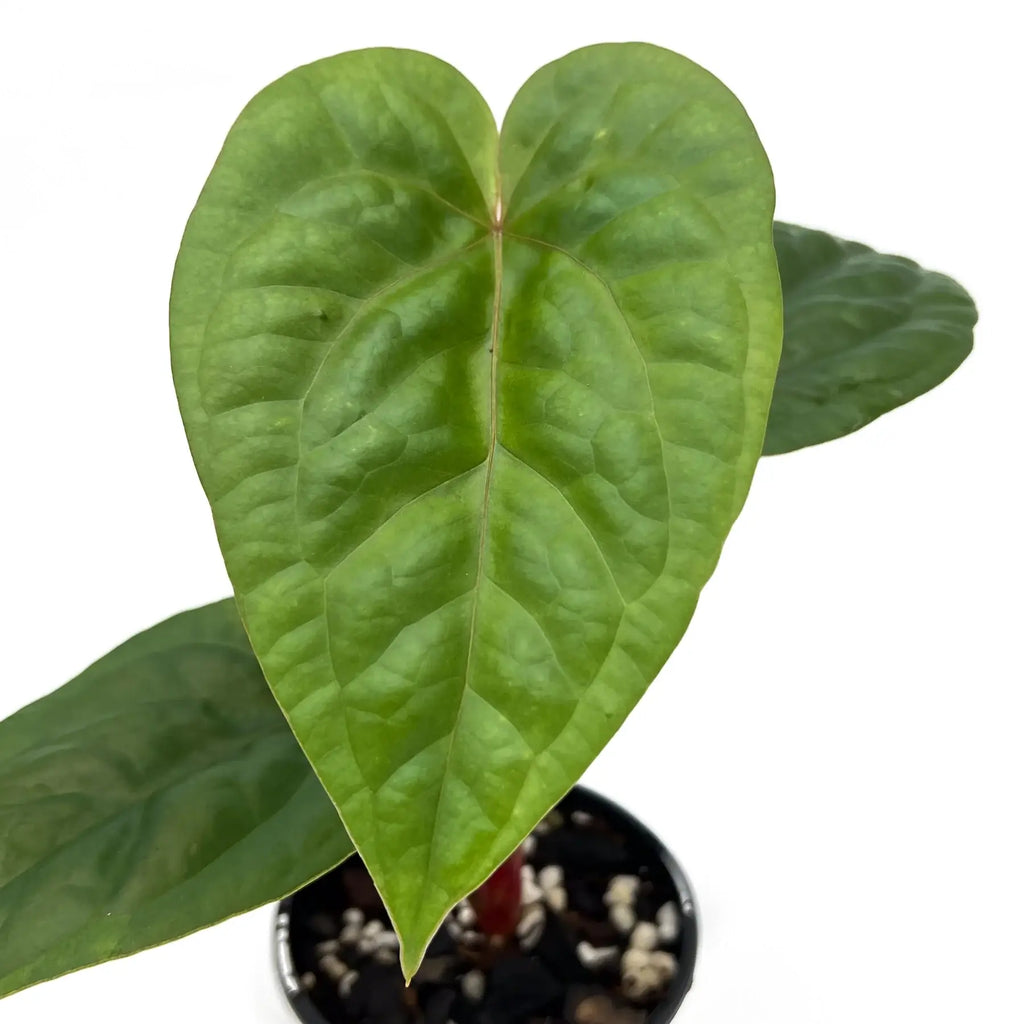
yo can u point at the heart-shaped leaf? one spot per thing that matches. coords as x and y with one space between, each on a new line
864 333
473 428
159 792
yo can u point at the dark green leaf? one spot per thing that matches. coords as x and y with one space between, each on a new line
159 792
864 333
471 460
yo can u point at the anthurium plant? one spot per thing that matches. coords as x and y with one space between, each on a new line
475 411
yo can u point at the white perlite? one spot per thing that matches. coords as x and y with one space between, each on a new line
370 939
622 916
640 983
550 880
644 936
466 915
664 963
667 919
595 958
557 899
346 983
550 877
473 985
645 972
633 959
334 968
531 891
531 925
622 889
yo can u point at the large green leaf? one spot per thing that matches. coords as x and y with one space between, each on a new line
864 333
472 459
157 793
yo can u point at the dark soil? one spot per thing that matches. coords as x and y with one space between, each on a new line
546 983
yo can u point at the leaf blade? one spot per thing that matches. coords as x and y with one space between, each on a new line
864 333
386 533
157 793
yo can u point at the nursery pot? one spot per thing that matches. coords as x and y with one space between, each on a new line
608 935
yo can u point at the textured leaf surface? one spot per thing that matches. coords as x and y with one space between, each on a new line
471 460
158 792
864 333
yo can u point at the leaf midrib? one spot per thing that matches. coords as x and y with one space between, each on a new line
492 445
498 235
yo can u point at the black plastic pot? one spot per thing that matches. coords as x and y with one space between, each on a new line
292 931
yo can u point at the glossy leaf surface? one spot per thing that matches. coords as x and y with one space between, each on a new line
864 333
472 459
158 792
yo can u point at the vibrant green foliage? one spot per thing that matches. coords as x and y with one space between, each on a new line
470 465
471 459
469 468
864 333
157 793
838 296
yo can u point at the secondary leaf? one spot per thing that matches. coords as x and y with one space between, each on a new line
472 459
864 333
155 794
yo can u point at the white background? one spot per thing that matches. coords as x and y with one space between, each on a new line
835 749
